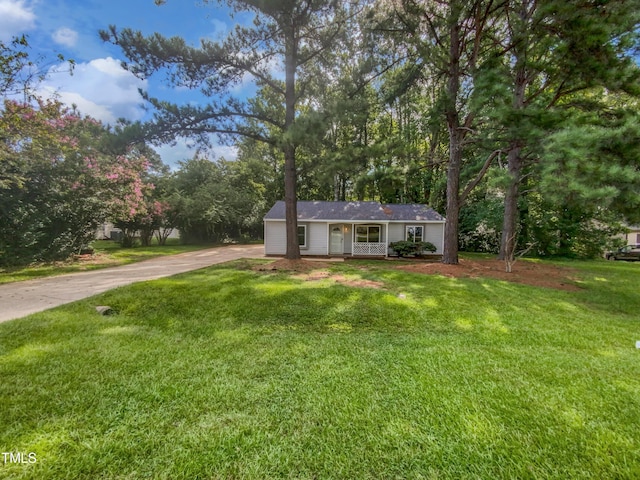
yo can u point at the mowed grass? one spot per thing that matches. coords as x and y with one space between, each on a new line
229 373
107 254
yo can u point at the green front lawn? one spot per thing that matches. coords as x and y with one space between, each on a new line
107 254
232 373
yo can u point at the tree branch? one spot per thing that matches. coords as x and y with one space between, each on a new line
471 185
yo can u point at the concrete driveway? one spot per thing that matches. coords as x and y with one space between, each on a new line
31 296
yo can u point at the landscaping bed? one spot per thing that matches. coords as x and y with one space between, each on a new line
535 273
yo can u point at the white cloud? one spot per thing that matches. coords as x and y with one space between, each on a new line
220 151
100 88
184 150
16 18
220 29
65 36
84 105
171 155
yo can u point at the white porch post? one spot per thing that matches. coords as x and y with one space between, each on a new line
328 239
386 240
353 237
265 237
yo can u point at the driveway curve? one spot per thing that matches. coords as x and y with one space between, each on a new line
24 298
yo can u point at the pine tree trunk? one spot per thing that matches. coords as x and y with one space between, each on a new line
290 202
450 253
289 149
510 220
509 238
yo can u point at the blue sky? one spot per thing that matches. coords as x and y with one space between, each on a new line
99 86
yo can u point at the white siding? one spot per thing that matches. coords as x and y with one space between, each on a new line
433 233
275 238
396 232
317 239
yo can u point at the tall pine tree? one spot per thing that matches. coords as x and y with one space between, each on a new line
290 33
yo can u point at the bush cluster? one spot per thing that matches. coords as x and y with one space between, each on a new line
405 248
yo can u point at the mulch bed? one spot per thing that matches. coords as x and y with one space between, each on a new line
524 272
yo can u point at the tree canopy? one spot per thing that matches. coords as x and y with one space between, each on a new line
516 119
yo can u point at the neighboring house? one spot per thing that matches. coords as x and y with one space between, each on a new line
353 228
107 231
633 235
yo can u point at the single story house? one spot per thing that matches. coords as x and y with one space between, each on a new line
353 228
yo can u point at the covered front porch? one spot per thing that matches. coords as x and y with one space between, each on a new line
358 239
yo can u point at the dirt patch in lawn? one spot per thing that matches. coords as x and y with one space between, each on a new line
93 259
528 273
310 271
316 275
285 265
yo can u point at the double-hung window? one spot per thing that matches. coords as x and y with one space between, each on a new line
302 236
368 233
415 233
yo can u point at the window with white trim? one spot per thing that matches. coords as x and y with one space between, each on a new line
368 233
414 233
302 236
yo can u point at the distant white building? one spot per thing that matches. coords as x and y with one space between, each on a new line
107 231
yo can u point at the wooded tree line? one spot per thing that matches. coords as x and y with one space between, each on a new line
515 119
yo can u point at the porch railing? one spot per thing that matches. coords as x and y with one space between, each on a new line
369 248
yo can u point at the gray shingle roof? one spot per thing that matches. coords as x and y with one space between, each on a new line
357 211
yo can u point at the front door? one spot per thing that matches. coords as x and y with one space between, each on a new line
337 240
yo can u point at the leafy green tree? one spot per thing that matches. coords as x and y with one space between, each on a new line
57 184
51 199
14 60
164 217
265 166
554 49
588 180
194 197
481 220
218 201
